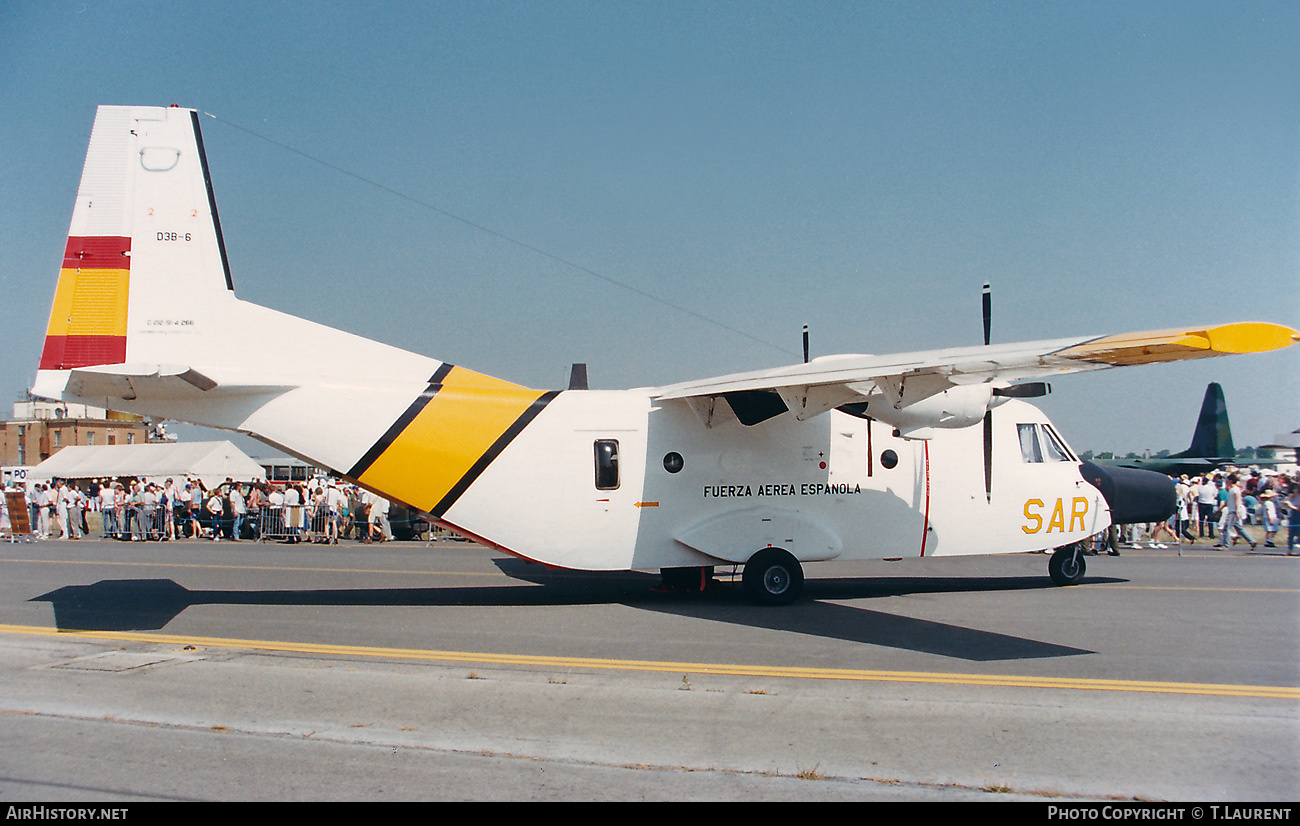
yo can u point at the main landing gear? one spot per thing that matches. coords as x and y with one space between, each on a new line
773 577
1066 566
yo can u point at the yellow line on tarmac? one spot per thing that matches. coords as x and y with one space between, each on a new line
792 672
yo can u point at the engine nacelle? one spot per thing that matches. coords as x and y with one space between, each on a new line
955 407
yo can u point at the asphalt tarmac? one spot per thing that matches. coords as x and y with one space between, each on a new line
200 670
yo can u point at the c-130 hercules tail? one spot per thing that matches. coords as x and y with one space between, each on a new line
844 457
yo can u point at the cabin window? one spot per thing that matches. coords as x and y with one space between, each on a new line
606 464
1029 443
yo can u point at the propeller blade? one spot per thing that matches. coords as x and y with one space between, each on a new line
988 456
988 415
1028 390
988 312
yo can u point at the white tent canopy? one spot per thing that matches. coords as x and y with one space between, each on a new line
213 462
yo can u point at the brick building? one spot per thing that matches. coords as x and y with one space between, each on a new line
39 429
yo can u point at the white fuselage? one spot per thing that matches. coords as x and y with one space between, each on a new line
834 486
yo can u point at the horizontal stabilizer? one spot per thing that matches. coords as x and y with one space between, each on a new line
158 382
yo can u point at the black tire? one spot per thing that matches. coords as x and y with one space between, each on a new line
773 577
1066 567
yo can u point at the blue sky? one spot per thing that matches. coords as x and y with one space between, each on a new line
858 167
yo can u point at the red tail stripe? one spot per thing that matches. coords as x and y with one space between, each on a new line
100 252
67 352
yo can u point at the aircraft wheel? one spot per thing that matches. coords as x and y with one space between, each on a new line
1066 566
773 577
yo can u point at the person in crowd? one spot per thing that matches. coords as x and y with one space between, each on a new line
293 505
77 512
358 520
167 508
1206 498
335 502
197 501
107 510
319 513
379 518
238 511
1292 503
1269 517
1185 506
121 510
256 505
61 507
215 508
275 504
1234 515
32 497
155 517
136 526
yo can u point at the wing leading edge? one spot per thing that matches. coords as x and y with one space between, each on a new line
956 381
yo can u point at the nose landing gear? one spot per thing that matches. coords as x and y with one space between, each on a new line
1066 567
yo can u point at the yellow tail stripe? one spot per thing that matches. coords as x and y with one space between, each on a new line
90 302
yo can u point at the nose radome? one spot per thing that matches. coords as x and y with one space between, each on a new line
1133 495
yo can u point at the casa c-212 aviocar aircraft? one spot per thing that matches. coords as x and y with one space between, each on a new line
844 457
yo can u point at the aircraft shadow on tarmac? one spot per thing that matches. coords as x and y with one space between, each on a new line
150 604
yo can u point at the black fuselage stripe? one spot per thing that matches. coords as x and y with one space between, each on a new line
493 452
377 449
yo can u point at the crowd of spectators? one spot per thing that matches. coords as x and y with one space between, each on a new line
1219 506
142 510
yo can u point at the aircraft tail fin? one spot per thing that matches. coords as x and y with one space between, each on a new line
1212 437
145 266
145 320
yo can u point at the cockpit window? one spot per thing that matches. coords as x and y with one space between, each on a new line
1029 443
1056 449
1039 443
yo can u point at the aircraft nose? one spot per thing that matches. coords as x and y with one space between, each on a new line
1133 495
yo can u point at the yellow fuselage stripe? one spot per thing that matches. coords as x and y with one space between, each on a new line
460 424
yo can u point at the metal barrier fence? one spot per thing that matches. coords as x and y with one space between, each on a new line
303 523
145 521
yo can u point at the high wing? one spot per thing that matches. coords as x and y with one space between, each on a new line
953 387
